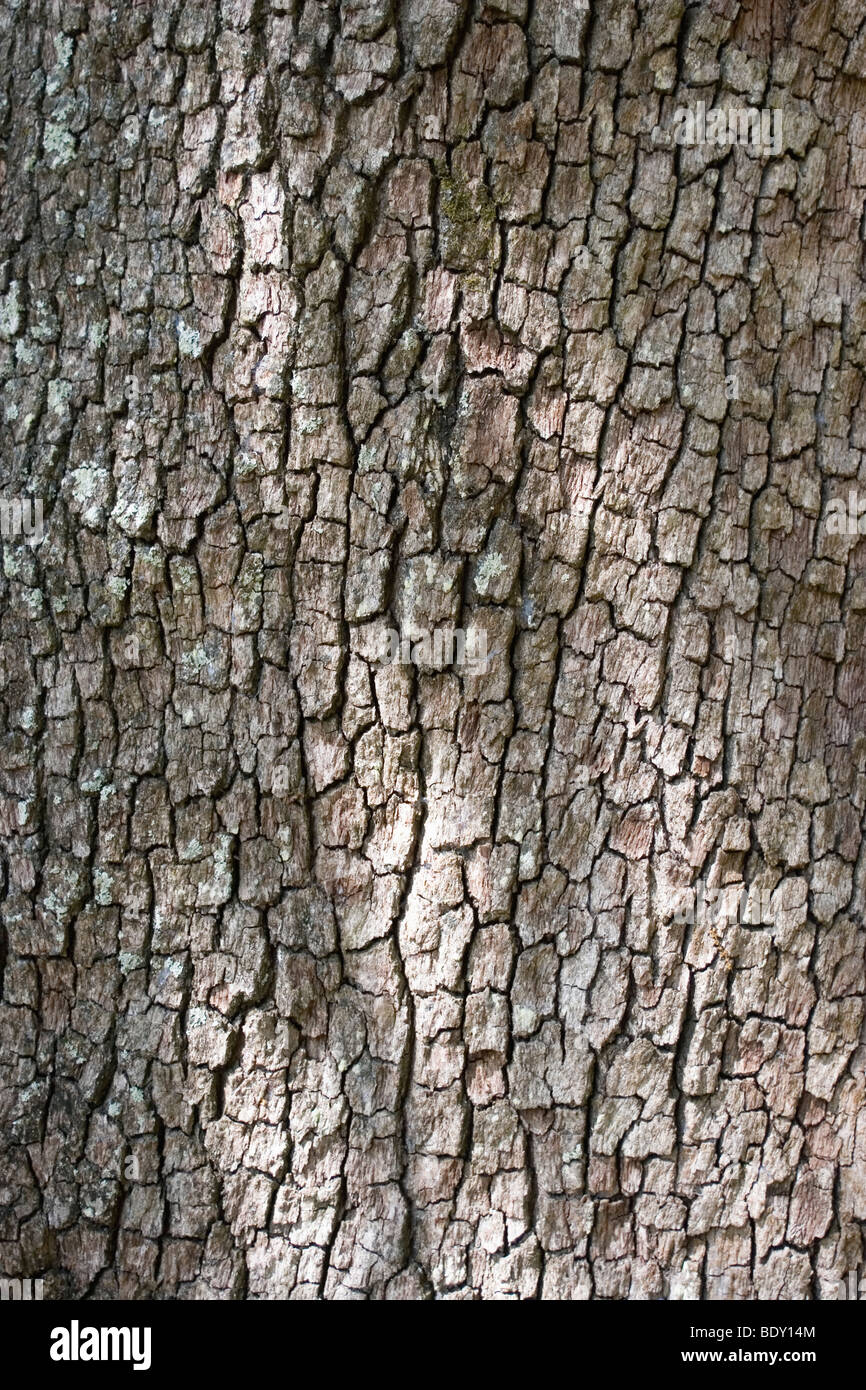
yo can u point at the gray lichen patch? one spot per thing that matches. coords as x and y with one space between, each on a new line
331 971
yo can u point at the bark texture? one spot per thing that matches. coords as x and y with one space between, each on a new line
329 977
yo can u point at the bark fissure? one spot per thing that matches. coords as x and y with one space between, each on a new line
325 976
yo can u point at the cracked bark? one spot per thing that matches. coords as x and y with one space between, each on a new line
328 978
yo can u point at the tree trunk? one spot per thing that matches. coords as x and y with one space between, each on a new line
449 443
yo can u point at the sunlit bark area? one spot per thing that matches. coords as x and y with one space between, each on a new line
433 648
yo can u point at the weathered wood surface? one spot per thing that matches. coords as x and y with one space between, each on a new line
328 977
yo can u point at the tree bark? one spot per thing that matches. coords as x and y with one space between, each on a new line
333 968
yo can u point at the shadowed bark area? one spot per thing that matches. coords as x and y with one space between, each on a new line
333 336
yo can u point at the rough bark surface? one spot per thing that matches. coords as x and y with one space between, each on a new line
329 977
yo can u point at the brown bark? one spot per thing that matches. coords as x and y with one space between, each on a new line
330 976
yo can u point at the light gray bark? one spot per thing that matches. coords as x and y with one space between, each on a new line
327 976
